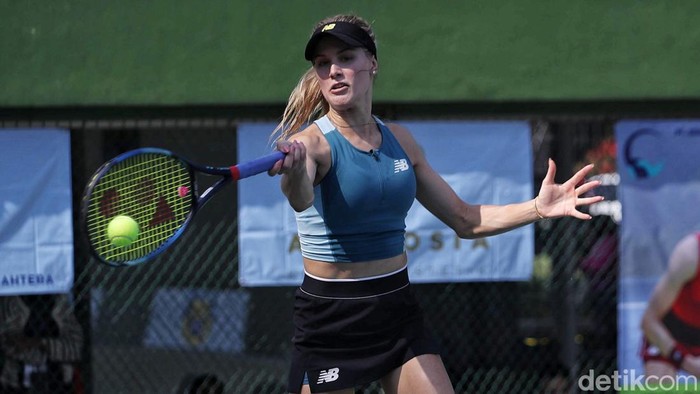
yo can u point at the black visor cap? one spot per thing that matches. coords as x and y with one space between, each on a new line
346 32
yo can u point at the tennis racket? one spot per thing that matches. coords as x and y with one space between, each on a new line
157 189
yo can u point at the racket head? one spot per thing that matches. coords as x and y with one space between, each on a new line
154 187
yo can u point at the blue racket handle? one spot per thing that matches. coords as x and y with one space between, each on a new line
255 166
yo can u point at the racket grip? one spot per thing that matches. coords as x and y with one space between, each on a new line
255 166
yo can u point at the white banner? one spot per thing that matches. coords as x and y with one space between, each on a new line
659 191
485 162
36 222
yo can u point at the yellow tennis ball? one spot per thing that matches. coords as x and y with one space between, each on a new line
122 231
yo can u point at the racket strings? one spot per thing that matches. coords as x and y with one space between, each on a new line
148 188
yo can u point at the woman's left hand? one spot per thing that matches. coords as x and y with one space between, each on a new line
555 200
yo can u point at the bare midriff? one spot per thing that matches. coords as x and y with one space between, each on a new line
359 270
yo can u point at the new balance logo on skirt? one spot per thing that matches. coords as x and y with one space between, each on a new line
400 165
328 376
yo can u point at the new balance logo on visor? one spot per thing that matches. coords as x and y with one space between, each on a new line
327 376
400 165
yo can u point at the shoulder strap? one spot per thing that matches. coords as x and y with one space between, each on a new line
324 124
379 121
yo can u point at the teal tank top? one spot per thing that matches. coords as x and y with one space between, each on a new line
360 206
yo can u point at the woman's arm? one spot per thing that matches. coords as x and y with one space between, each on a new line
298 168
475 221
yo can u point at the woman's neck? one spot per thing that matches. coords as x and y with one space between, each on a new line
360 123
361 131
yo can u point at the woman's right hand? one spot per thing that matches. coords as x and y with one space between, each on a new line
294 162
297 183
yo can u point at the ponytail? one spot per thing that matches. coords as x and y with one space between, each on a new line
305 104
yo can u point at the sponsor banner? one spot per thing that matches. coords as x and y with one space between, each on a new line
659 191
485 162
36 213
196 319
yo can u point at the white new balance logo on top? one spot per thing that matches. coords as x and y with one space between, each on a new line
400 165
328 376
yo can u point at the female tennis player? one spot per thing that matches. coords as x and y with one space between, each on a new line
351 180
671 321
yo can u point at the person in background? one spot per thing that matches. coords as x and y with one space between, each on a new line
40 340
351 180
671 321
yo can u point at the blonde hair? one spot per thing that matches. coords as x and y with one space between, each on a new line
306 102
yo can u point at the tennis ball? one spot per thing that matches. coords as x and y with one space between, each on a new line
122 231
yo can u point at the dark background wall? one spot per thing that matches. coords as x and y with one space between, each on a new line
176 52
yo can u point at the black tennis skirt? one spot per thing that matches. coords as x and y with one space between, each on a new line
352 332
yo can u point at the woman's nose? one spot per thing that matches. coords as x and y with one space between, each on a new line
335 70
